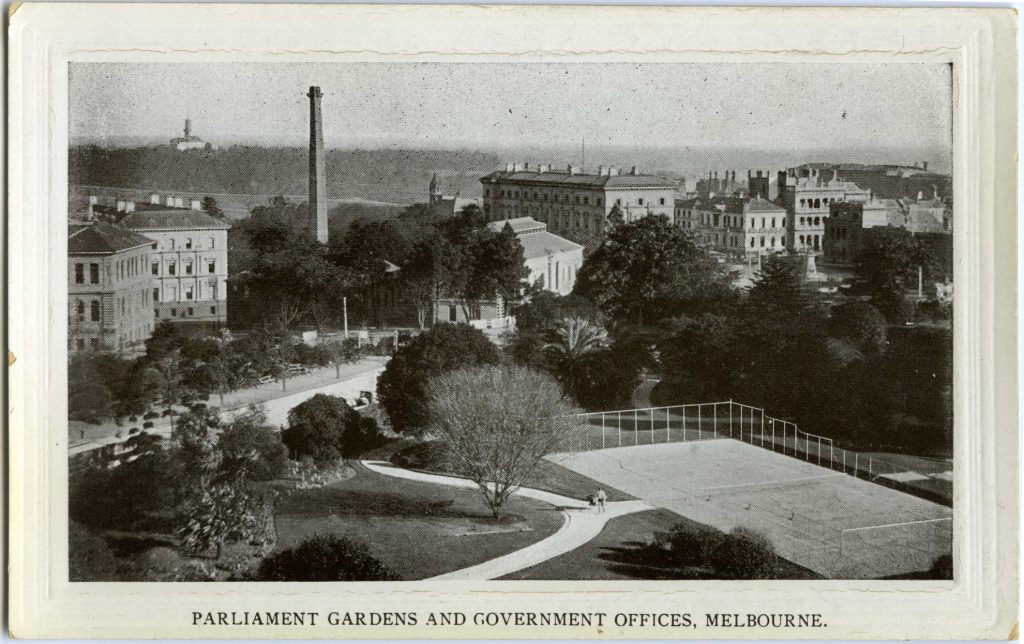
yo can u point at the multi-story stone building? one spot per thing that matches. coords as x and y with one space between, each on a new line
189 266
807 193
738 227
575 205
109 285
851 224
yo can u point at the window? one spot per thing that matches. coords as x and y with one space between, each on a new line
188 267
156 313
80 312
94 273
661 201
577 198
94 343
94 311
618 202
762 222
640 201
188 292
190 311
174 313
172 243
772 240
751 242
598 201
213 310
80 344
817 203
801 240
212 266
156 295
79 274
172 268
773 222
817 221
803 202
452 313
762 242
155 268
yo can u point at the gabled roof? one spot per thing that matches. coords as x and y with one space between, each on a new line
519 225
172 218
541 244
103 239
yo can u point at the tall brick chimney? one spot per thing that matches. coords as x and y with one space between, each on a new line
317 169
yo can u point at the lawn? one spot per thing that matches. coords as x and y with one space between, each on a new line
417 529
426 457
623 551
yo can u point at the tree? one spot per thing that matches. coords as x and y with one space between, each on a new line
889 264
446 347
498 423
575 339
648 270
325 558
164 378
745 554
496 268
211 208
252 448
220 513
317 428
433 269
861 323
779 283
343 352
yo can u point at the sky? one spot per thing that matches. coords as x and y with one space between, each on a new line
437 105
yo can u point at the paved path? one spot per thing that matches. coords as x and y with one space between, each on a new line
642 393
581 523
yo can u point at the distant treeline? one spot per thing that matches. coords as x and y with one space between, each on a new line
392 175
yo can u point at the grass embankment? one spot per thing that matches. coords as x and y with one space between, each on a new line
417 529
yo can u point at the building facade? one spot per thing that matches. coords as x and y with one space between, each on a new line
807 193
109 286
189 265
851 224
575 205
737 227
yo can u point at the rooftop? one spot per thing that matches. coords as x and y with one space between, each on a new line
172 218
103 239
550 177
519 225
543 243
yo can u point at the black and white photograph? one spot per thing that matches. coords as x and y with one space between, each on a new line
512 322
339 322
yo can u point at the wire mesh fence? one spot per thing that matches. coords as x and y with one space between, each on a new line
730 419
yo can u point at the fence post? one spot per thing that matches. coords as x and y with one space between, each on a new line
714 422
618 426
844 461
773 434
684 423
832 454
636 428
762 428
698 422
741 423
869 468
602 430
819 450
652 427
668 425
730 418
856 464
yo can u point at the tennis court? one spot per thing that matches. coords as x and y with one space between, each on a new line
837 525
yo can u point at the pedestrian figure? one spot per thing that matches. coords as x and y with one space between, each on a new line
601 498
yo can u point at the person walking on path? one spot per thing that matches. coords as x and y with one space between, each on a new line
601 498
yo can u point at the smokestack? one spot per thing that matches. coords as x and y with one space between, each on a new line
317 167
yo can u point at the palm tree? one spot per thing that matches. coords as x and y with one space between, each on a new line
575 339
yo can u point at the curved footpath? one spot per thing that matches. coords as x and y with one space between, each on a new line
581 523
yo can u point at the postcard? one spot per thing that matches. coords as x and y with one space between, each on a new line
427 322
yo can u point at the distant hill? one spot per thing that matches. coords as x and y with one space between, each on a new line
386 175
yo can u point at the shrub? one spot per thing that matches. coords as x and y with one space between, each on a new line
149 415
693 546
147 425
120 497
744 554
360 437
446 347
318 427
325 558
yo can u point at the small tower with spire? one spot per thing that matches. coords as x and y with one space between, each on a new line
435 193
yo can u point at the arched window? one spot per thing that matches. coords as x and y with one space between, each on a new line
817 203
772 242
81 311
751 242
817 221
773 222
94 311
803 202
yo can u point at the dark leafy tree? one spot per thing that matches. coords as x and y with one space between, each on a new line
325 558
648 270
318 428
497 267
211 208
446 347
889 265
861 323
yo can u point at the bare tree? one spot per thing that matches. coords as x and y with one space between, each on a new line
498 423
